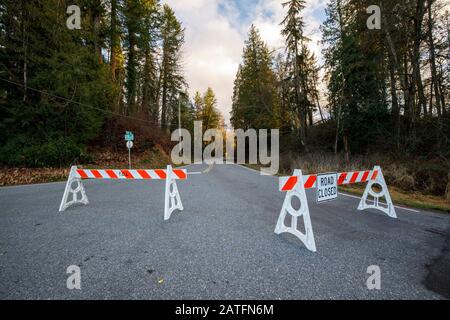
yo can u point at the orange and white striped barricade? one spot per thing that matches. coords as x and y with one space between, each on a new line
172 199
296 185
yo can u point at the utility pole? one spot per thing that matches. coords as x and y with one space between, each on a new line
179 123
448 32
179 117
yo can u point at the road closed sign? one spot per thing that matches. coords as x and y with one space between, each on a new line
326 187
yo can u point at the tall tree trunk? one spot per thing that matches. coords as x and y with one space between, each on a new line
164 101
447 190
96 16
411 106
131 74
113 39
298 94
304 92
346 148
434 82
441 91
417 79
25 49
114 51
395 111
310 117
339 113
408 94
158 92
315 93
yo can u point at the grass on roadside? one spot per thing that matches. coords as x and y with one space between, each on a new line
414 200
154 158
399 197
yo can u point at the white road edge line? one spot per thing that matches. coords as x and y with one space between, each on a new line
253 170
185 166
345 194
398 207
33 184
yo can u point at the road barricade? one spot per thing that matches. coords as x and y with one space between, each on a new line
296 185
172 199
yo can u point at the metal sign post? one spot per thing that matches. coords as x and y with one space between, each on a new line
129 137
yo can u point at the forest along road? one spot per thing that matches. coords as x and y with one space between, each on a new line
222 246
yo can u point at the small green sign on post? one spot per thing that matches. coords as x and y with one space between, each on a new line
129 136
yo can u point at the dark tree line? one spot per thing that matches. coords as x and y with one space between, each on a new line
388 89
391 85
125 61
279 89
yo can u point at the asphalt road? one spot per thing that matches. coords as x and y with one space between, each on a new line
222 246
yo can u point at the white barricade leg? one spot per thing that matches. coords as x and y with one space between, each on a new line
374 203
298 191
79 189
172 196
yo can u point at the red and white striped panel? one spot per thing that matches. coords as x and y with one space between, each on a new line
289 183
157 174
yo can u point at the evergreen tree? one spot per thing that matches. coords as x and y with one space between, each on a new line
198 105
185 115
297 54
38 51
125 56
356 79
171 77
209 113
116 56
255 100
150 37
134 26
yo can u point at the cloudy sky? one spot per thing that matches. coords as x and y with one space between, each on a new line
215 35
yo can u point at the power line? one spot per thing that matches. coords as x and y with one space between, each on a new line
82 104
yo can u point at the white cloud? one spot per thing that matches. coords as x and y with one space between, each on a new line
215 39
212 50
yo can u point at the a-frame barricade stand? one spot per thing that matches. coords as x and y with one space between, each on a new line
296 185
75 192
